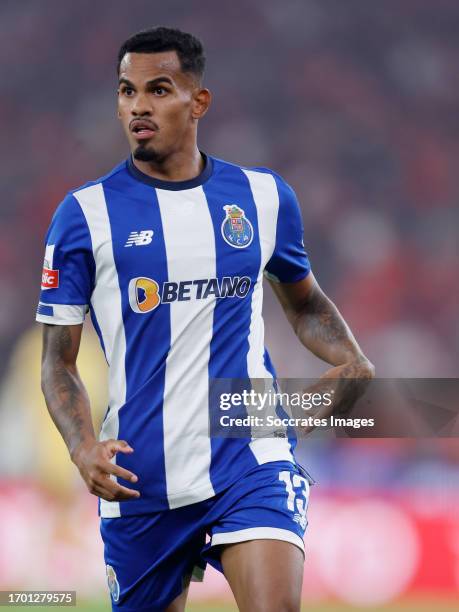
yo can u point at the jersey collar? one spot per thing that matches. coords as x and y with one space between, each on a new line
172 185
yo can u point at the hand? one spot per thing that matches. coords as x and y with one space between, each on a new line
93 461
345 384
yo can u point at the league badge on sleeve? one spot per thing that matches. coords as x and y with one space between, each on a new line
49 277
237 231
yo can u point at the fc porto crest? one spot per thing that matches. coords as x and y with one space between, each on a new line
237 231
113 583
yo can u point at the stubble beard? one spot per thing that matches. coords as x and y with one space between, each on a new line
143 153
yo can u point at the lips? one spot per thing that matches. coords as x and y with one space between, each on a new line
142 129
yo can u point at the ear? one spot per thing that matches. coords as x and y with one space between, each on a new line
201 102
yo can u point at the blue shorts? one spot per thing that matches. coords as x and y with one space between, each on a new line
150 558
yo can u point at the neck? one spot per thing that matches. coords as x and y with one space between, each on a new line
179 166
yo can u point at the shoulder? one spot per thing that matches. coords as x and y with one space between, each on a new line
69 209
220 164
120 169
264 170
286 193
68 225
264 179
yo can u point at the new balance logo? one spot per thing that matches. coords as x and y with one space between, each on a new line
139 238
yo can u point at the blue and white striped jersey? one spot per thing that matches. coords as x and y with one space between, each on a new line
171 273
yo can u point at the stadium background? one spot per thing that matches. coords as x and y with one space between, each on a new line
355 104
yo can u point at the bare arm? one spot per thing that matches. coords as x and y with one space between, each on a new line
65 395
68 405
321 329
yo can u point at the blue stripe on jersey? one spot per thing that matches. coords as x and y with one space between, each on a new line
232 317
96 326
291 434
98 331
289 262
269 364
140 419
44 309
72 256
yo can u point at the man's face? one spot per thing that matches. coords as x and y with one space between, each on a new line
158 104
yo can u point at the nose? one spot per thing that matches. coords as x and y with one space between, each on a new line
141 106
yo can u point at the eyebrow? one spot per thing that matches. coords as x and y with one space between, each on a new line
161 79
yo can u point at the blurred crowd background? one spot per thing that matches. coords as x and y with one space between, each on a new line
355 103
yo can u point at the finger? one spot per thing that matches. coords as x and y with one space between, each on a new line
116 470
118 490
111 497
125 447
102 493
118 446
116 493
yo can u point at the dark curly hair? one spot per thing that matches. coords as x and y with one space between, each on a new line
156 40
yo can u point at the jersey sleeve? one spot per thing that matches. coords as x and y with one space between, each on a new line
289 262
68 268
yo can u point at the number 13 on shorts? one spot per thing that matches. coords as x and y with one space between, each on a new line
297 489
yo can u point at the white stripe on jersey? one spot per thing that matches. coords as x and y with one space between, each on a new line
187 449
49 255
106 302
62 314
266 197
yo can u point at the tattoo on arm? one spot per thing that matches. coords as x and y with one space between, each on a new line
320 326
65 395
330 338
325 322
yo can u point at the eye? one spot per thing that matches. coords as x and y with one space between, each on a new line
126 91
160 91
